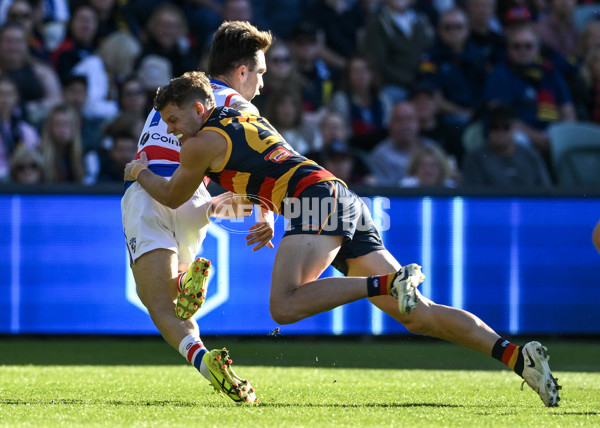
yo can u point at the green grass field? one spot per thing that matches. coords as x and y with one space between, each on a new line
137 382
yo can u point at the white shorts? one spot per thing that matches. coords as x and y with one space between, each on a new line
149 225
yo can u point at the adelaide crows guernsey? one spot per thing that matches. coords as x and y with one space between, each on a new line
259 163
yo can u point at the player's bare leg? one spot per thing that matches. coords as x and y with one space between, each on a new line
443 322
296 293
462 328
155 274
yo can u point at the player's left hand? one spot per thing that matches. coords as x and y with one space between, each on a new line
262 232
130 174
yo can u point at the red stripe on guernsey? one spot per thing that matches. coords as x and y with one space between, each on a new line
226 179
312 178
508 352
192 351
265 193
157 152
206 180
228 100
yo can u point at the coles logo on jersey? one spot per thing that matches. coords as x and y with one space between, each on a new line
278 155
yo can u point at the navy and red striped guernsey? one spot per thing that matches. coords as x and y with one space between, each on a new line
259 163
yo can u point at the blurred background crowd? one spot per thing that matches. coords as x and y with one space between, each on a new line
395 93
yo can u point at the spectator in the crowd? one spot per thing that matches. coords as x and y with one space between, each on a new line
428 167
341 23
456 68
333 129
586 93
27 13
395 38
75 96
285 113
133 97
589 38
26 166
277 16
557 30
431 126
362 104
485 29
340 160
389 159
320 80
203 18
112 18
14 131
38 84
113 159
501 162
532 86
80 42
282 74
166 37
61 147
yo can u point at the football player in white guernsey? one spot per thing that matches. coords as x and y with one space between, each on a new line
163 242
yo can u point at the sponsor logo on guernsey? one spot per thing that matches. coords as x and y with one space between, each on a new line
278 155
155 119
132 244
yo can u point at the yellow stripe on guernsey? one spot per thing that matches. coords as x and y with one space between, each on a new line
281 185
229 147
240 182
251 132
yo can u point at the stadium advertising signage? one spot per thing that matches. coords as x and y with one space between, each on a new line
524 265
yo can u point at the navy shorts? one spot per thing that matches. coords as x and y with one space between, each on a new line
330 208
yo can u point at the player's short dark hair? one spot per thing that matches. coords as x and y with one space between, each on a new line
187 88
236 43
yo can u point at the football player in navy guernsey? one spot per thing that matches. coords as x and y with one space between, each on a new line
328 224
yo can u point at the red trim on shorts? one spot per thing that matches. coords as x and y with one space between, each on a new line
312 178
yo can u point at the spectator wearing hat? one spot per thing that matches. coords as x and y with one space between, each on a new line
501 162
340 160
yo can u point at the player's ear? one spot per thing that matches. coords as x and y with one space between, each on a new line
242 72
199 108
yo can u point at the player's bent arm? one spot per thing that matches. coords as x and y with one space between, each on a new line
198 154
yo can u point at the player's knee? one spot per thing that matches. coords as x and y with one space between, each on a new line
283 313
418 322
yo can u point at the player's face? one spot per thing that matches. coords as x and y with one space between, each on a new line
253 83
183 122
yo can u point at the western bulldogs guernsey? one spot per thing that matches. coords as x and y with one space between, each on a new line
259 163
162 149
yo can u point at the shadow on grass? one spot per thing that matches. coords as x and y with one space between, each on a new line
403 352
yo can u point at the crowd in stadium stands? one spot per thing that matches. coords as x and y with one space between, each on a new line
397 93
